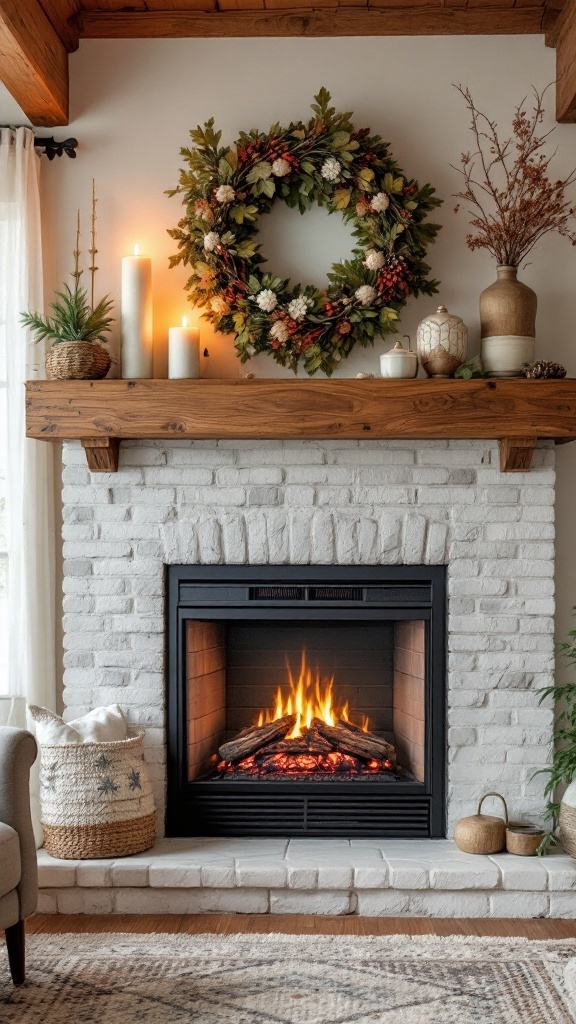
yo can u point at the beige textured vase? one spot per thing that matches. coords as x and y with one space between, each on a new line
508 324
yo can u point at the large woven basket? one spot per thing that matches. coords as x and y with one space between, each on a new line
96 799
567 820
77 360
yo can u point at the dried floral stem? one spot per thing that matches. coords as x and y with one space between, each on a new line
93 250
507 188
77 273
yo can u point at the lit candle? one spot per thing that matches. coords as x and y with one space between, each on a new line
136 316
183 351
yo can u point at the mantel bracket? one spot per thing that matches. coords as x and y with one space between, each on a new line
516 454
101 453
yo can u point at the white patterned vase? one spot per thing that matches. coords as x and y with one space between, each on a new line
442 342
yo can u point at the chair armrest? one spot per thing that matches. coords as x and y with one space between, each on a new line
17 754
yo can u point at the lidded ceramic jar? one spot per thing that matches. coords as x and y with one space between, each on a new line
442 342
399 363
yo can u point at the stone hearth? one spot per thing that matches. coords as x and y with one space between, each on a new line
416 878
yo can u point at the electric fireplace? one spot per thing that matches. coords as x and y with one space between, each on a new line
306 701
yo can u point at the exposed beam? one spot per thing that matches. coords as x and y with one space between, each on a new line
309 22
33 62
566 64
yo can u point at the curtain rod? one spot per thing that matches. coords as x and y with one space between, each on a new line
50 146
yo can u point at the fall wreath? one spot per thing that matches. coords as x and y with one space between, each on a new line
326 161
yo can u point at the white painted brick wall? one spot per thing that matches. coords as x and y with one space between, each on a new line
343 502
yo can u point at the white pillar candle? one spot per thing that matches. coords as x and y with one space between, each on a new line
136 316
183 352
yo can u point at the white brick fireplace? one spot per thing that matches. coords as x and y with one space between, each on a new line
325 502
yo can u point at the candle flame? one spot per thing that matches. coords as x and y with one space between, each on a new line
136 250
184 321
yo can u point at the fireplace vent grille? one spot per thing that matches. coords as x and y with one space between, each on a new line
277 593
236 814
336 594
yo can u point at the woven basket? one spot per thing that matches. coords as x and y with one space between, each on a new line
482 833
77 360
567 822
96 799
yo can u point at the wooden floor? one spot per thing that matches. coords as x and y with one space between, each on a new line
292 924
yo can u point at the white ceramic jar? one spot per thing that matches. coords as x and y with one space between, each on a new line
399 363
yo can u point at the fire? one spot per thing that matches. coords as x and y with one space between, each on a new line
308 697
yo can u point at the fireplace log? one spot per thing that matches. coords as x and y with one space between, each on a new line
255 738
364 745
309 743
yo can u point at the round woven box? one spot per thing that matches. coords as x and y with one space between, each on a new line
482 833
96 799
77 360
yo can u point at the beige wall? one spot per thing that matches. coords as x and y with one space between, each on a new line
133 103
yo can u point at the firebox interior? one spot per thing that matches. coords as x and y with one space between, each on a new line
306 700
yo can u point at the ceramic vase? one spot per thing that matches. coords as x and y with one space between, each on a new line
442 341
508 325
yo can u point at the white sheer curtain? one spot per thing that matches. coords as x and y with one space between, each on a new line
27 659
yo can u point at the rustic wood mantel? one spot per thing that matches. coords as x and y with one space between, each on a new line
516 412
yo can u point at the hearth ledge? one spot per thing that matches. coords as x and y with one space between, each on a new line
367 877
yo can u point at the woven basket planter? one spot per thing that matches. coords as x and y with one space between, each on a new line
96 799
567 820
77 360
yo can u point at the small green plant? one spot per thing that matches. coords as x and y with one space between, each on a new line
563 767
469 369
75 318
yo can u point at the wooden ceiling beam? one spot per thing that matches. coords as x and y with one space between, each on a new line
565 41
309 22
33 62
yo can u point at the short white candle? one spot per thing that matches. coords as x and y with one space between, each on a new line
183 352
136 316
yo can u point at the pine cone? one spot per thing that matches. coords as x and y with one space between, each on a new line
542 369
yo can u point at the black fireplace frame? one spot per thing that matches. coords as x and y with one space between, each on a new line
348 808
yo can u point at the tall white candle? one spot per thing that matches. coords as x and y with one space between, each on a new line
183 352
136 316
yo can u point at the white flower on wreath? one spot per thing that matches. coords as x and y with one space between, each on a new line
365 294
211 240
374 259
380 202
267 300
330 169
279 332
225 194
298 308
281 167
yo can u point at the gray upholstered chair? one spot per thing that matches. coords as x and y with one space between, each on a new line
18 868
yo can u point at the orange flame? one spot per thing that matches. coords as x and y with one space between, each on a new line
309 697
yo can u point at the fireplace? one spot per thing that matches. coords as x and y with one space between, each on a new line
306 701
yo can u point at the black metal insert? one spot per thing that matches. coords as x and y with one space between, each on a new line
307 594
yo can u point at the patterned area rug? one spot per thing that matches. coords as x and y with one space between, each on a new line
286 979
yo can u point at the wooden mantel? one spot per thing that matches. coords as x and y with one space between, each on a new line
516 412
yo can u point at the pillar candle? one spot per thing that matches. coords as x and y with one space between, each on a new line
183 352
136 316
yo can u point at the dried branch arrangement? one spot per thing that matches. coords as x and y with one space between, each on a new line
507 189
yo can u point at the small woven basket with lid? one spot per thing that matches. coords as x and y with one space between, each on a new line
482 833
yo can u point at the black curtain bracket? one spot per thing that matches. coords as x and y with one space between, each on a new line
53 148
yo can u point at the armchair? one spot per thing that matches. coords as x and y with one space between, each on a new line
18 867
